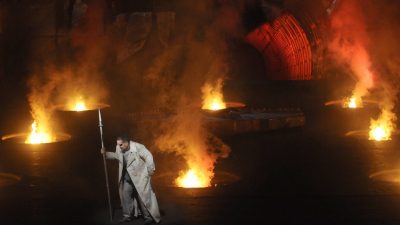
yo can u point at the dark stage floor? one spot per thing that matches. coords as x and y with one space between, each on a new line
310 175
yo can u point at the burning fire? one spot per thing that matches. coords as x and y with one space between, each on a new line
382 128
79 105
213 98
216 104
38 136
185 135
352 103
193 179
349 43
379 134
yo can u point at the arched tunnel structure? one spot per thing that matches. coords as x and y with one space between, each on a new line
290 46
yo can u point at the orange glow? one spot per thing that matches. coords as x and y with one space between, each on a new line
286 48
185 135
80 106
193 179
38 135
349 45
213 98
215 104
382 128
379 134
352 103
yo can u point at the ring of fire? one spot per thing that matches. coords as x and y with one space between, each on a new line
22 137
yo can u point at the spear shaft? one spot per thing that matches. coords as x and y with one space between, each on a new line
105 167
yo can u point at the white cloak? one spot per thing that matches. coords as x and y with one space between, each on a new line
140 167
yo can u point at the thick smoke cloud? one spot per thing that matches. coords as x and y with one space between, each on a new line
373 25
363 37
349 44
197 56
383 17
62 74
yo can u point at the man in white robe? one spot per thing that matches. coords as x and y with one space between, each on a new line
136 166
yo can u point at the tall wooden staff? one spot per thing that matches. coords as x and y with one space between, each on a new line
105 166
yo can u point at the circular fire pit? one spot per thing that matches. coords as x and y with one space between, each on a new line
341 103
21 137
88 107
235 105
231 110
392 176
220 179
228 105
8 179
220 184
364 134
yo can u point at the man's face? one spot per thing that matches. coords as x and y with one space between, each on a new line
124 145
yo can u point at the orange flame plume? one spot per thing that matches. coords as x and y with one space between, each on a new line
382 128
194 179
79 105
352 102
213 98
349 45
185 136
38 135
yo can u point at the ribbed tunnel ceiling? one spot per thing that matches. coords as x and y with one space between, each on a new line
285 47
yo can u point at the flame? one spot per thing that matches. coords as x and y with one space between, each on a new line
379 134
352 102
216 104
213 98
38 136
349 44
382 128
193 179
78 104
184 134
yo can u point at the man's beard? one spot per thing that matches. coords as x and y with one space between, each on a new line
125 150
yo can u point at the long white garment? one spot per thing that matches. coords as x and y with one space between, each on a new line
140 167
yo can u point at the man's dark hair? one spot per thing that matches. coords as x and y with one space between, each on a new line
123 137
